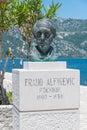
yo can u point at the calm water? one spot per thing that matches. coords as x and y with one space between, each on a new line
80 64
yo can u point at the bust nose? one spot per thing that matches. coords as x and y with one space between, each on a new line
42 37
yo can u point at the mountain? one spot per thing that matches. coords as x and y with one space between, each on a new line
70 41
71 38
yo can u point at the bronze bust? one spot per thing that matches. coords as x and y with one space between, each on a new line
44 33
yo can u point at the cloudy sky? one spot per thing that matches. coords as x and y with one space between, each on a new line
71 8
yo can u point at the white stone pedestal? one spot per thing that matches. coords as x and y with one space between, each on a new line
46 97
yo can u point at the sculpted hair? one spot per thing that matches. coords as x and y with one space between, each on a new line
46 23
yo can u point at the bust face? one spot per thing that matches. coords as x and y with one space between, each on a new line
44 32
44 38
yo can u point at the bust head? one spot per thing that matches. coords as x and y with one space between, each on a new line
44 32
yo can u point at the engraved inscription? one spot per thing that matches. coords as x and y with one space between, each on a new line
60 81
33 82
50 93
50 88
50 82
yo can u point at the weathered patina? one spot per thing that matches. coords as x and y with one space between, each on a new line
42 48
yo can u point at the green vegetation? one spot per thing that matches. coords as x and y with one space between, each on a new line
4 20
21 16
9 95
24 14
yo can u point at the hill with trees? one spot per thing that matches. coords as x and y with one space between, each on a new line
71 39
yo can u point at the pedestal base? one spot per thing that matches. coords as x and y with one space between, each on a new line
46 120
46 97
45 65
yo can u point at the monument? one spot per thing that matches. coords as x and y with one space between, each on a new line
46 95
42 48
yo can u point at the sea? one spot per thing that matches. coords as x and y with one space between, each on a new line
75 63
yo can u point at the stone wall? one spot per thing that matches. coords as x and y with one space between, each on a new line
5 117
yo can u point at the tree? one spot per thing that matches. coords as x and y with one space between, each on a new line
24 14
4 20
4 26
2 90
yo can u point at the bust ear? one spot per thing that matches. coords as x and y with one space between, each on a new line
54 32
53 35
